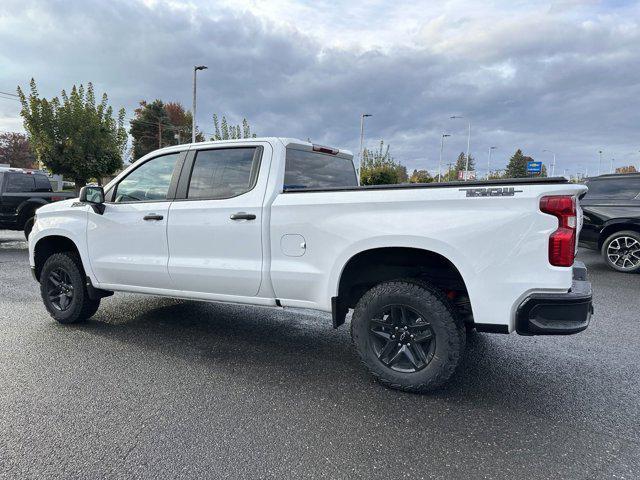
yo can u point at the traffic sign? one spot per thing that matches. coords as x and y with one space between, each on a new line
534 167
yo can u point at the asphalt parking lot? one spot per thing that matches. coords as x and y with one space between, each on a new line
160 388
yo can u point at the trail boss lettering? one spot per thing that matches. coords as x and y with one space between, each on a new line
491 192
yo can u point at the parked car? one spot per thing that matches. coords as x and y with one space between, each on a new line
283 223
22 192
612 220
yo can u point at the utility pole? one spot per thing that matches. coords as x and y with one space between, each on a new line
600 163
193 119
491 149
611 169
553 165
362 117
444 135
466 167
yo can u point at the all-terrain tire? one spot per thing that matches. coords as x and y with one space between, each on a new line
80 307
432 305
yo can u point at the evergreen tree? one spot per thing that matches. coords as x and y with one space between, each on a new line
517 167
461 163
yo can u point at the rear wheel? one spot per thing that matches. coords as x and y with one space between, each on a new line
621 251
63 289
408 335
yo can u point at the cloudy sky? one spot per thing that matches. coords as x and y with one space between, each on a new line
562 76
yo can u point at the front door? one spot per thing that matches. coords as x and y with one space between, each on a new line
128 242
215 229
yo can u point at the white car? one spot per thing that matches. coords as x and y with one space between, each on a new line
281 222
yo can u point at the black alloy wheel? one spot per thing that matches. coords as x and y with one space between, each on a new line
402 339
60 289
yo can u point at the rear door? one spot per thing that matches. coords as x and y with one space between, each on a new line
128 242
215 223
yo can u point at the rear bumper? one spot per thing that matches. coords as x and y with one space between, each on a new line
558 314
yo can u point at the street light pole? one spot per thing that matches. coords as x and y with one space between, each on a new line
600 163
491 149
444 135
466 167
362 117
193 119
553 165
611 169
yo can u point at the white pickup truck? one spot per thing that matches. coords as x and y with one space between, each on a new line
283 223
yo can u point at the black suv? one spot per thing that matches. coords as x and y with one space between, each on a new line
612 220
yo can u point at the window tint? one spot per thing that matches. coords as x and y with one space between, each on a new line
42 183
315 170
223 173
21 183
622 188
149 181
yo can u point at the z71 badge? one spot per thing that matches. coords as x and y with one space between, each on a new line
491 192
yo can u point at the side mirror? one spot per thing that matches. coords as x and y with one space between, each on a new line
94 196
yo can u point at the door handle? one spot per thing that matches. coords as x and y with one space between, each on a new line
153 216
242 216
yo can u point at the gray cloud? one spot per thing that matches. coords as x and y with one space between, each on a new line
544 80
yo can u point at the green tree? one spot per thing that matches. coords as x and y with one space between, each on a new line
15 150
158 124
74 137
420 176
403 176
224 131
380 168
461 164
517 166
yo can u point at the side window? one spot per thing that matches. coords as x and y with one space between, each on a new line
614 188
42 183
149 182
20 183
224 173
305 169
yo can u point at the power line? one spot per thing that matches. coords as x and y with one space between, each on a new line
10 94
8 98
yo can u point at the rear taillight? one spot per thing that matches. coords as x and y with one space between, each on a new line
562 242
56 199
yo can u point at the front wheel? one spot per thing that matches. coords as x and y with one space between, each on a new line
63 289
621 251
408 335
